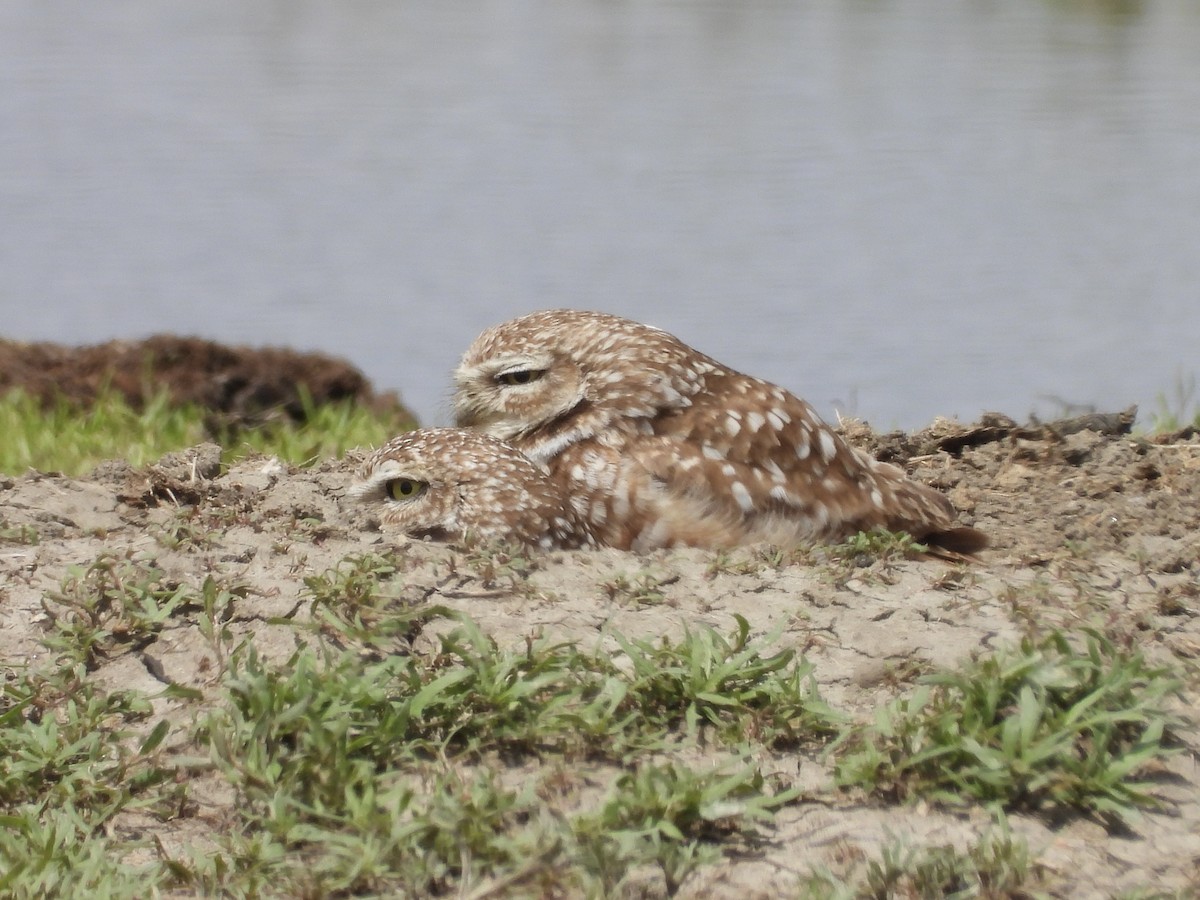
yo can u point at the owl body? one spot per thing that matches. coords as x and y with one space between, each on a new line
446 483
658 445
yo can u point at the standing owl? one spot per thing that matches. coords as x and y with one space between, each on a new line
445 483
658 445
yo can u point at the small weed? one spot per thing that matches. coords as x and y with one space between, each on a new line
217 603
1042 727
1032 604
393 834
111 603
57 853
781 557
642 589
354 582
673 817
867 547
500 565
65 744
726 562
1181 410
998 867
184 532
17 534
729 684
361 601
306 727
905 671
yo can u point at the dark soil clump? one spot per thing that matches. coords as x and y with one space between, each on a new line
240 386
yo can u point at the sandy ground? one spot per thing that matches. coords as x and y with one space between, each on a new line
1087 529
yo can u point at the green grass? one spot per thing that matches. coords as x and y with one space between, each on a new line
377 771
349 769
473 698
998 866
70 762
1046 727
1180 410
66 439
396 749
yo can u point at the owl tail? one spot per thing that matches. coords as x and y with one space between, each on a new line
960 541
925 513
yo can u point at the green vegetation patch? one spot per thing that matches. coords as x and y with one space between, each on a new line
382 771
399 750
69 763
998 866
471 698
64 438
1043 727
115 604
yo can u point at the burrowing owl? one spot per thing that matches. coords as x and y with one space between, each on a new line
659 445
445 483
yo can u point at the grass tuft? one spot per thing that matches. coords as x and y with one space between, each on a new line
1044 727
998 867
1180 411
674 818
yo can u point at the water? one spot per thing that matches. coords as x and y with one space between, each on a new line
897 209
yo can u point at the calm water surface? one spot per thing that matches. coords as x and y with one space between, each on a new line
897 209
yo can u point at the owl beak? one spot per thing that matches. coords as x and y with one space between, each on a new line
473 417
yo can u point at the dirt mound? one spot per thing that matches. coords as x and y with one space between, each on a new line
240 386
1090 528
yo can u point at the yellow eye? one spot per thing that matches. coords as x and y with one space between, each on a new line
524 376
405 488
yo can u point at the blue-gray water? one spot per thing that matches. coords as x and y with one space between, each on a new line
897 209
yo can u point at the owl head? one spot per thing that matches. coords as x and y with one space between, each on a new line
548 379
446 483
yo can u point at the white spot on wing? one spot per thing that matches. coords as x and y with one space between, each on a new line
620 505
742 496
828 447
755 420
783 495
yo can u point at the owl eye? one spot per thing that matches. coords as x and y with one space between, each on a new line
405 488
523 376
